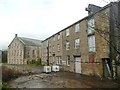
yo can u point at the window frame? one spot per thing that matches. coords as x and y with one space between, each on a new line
77 43
58 36
58 47
67 32
77 27
91 25
58 60
68 60
67 45
91 43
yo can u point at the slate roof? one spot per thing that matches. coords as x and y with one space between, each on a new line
29 41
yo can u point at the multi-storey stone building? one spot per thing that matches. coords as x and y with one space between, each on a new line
53 45
23 50
87 46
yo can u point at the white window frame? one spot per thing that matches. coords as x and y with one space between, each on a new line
67 32
77 27
58 36
77 43
67 45
58 47
68 60
91 43
58 60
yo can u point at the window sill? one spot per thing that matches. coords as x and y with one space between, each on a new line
90 34
68 65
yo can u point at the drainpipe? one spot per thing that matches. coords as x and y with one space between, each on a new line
48 54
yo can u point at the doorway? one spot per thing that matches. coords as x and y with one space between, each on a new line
106 67
77 64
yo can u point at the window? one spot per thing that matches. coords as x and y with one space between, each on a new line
28 53
38 53
58 47
68 60
67 45
91 43
20 52
59 61
54 38
17 52
33 53
77 43
14 44
49 47
58 36
17 45
67 32
77 28
14 52
53 47
91 25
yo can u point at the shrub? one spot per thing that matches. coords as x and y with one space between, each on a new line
37 61
9 74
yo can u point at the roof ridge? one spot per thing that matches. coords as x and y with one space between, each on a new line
30 38
21 40
30 41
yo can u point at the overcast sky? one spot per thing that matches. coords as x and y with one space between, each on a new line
39 19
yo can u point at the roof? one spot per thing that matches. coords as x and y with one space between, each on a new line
29 41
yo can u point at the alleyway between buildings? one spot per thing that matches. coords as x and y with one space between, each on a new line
58 80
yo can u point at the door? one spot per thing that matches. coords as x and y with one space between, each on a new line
77 65
107 67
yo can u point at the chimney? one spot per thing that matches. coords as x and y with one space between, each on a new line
92 9
15 35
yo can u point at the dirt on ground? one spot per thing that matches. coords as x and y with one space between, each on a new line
60 79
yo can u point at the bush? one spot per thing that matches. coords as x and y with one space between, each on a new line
37 61
9 74
5 86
